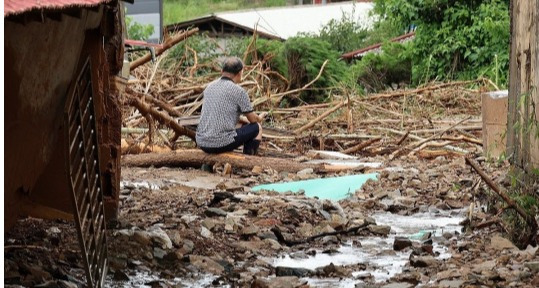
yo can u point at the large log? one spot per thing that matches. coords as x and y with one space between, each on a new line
195 158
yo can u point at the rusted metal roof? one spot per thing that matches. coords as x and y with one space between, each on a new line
376 47
14 7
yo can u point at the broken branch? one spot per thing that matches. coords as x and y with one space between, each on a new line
317 119
167 45
161 117
528 218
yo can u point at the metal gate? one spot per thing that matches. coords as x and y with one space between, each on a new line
85 177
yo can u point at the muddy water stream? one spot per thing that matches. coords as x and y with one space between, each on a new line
377 252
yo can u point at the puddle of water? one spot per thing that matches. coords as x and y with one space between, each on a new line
144 279
378 252
138 185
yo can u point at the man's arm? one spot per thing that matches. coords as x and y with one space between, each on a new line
253 118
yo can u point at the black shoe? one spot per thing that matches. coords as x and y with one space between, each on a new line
251 147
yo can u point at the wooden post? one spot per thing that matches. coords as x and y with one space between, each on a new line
522 121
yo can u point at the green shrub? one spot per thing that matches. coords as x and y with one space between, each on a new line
137 31
305 57
273 51
455 39
377 71
345 34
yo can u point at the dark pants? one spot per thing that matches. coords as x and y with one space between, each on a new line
246 137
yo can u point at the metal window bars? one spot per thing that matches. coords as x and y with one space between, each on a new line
85 178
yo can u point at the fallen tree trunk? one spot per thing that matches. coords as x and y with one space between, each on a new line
195 158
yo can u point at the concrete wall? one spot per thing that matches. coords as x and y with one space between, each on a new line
42 59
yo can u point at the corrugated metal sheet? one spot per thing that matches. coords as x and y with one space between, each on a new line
13 7
285 22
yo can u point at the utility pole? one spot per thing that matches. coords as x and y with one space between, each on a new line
523 106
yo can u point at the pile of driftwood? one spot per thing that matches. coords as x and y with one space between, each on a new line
438 119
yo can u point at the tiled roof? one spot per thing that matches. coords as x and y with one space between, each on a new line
13 7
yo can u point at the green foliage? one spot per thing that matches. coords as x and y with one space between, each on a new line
305 57
382 31
377 71
345 34
182 55
455 39
137 31
273 51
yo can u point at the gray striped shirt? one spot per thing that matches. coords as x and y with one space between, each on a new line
224 102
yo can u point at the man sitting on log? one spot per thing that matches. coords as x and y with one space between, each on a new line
224 102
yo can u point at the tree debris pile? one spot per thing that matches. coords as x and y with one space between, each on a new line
187 227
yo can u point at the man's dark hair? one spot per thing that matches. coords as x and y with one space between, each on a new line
232 65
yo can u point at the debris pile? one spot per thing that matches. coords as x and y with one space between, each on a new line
188 227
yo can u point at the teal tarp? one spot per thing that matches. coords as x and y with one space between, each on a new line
334 188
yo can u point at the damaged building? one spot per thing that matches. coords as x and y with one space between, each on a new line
63 119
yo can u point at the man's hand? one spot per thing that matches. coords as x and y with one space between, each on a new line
262 116
253 117
243 120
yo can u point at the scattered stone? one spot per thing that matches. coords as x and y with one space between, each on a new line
499 243
176 238
249 230
427 248
332 239
533 266
187 247
142 237
305 172
215 212
53 230
230 225
273 244
208 223
120 276
160 237
451 283
380 229
188 218
398 285
423 261
401 243
292 271
331 251
279 282
205 232
331 271
257 170
159 253
206 264
447 235
267 235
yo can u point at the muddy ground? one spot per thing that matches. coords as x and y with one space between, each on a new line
192 228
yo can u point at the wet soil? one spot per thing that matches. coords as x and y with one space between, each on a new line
191 228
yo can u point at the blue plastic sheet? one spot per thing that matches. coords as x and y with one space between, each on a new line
334 188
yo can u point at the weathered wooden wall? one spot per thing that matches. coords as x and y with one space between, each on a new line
523 109
43 57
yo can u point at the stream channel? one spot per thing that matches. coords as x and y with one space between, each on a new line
375 252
